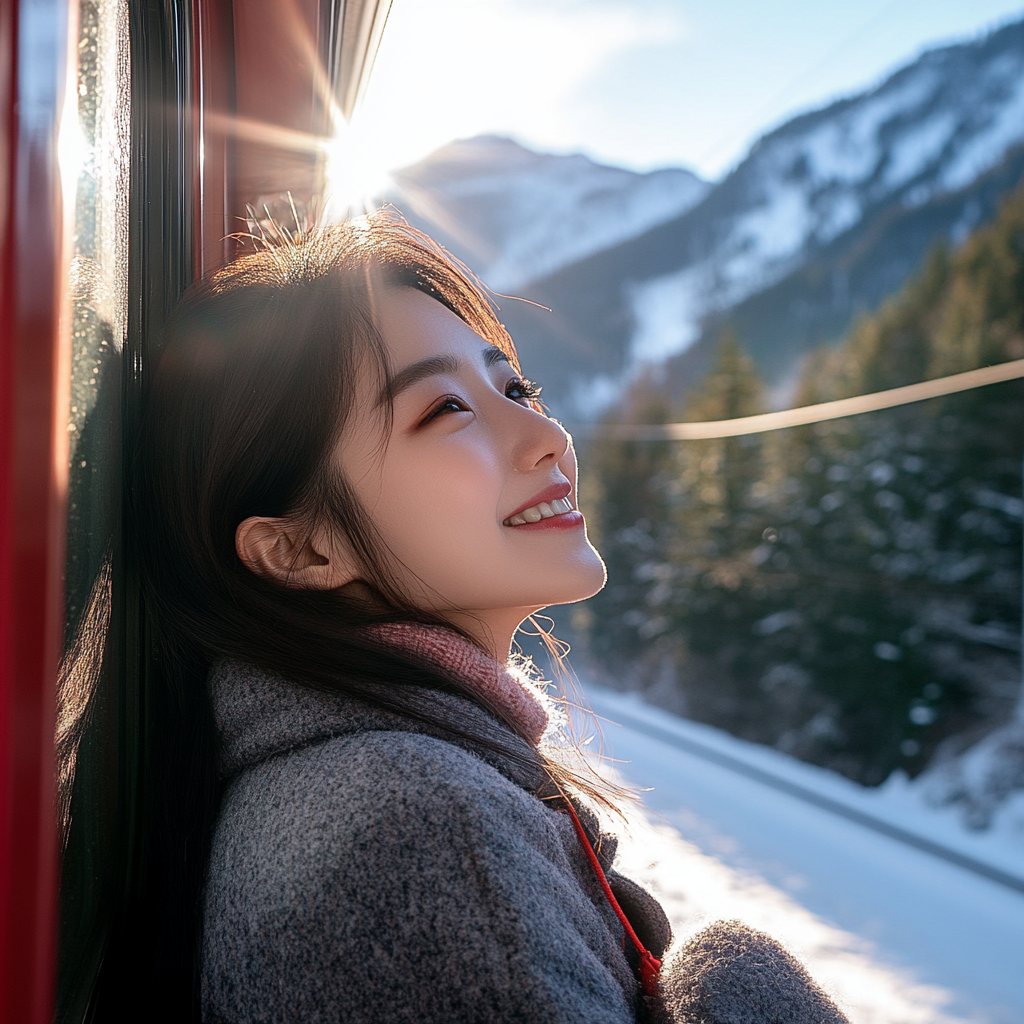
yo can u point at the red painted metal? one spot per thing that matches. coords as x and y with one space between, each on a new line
261 93
264 102
280 88
214 88
261 98
33 486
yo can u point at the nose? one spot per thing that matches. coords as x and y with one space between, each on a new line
538 441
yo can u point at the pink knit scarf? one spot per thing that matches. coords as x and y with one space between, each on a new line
455 658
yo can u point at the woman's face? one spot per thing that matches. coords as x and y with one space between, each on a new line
467 472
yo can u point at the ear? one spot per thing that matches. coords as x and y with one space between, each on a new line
281 550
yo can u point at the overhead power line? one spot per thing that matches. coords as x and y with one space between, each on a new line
811 413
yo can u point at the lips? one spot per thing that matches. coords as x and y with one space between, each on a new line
553 501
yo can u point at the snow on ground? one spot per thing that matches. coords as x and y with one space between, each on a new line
895 934
696 888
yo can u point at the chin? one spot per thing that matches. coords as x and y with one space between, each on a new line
600 578
586 578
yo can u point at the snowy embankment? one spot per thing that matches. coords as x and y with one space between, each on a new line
864 885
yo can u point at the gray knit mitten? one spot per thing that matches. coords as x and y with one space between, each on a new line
732 974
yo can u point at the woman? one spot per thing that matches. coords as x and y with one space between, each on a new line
348 499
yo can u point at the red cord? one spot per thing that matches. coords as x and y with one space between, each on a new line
650 965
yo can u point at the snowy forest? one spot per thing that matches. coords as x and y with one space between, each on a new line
848 592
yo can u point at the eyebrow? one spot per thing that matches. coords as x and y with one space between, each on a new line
434 366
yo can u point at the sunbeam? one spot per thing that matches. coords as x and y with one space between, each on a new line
355 174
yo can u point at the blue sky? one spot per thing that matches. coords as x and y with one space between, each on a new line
640 83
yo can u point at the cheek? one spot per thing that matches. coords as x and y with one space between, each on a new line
438 511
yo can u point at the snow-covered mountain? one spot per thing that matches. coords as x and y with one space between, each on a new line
817 302
922 156
931 128
515 215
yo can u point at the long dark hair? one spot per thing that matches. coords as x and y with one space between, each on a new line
255 380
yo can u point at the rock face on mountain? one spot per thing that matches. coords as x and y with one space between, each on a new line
515 215
825 217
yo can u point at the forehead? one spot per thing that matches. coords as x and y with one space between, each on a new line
414 326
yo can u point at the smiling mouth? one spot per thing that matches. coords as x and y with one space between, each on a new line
542 510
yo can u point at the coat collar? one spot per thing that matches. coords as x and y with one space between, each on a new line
261 714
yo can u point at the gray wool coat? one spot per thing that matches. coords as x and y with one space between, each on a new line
366 870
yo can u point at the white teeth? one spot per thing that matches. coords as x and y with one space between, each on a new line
543 510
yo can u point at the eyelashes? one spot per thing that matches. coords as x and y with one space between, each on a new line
518 389
447 404
525 390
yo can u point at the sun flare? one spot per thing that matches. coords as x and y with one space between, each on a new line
355 176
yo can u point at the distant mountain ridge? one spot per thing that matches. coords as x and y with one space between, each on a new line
826 215
515 215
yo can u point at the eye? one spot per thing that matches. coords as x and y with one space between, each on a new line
519 389
446 405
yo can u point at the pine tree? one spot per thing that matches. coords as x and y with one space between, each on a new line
848 591
914 539
623 488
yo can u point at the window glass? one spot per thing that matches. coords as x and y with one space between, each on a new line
95 138
98 280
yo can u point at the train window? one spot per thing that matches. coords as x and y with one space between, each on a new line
97 146
95 159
